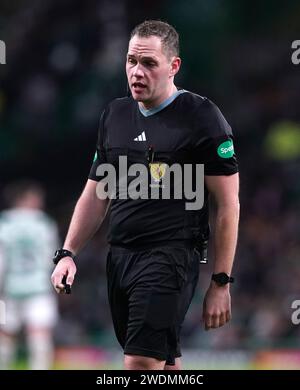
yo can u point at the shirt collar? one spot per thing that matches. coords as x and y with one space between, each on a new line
162 105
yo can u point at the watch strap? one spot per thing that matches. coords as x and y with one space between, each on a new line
61 253
222 278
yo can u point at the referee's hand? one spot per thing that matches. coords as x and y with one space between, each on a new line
65 267
216 306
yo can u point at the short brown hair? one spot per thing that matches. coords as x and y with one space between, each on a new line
167 33
15 191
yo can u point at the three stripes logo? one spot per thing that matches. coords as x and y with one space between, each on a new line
141 137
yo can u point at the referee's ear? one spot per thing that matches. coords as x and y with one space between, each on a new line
175 66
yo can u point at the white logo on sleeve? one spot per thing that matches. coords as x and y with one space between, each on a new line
141 137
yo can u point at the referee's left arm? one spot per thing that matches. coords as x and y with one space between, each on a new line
225 192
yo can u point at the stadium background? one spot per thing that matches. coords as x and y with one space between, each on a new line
65 60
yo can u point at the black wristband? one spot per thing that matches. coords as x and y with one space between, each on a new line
222 278
61 253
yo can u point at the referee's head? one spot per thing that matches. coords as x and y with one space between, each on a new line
168 35
152 62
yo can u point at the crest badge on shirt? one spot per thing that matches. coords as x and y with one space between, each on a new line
158 171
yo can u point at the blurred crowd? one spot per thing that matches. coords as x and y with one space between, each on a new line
65 60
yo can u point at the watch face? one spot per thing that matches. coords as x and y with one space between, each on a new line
61 253
57 256
221 278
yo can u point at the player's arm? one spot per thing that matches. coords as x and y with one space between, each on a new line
224 190
88 215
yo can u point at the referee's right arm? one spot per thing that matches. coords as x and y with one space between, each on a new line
88 215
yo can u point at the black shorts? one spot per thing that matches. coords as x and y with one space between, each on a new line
149 293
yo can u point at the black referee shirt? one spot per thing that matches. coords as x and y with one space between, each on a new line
185 129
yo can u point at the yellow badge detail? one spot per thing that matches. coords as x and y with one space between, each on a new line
158 171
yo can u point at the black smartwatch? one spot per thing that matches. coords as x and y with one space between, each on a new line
222 279
61 253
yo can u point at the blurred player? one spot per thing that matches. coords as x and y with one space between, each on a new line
27 239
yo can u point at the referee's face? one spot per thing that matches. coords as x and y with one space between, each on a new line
150 72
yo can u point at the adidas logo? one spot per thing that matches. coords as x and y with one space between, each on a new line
141 137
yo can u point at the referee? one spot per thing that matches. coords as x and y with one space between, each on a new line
156 244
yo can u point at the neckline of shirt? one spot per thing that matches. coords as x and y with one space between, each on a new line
162 105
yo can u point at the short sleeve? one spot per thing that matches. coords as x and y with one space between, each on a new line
216 148
100 154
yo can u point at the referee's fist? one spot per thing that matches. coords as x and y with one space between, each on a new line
65 267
